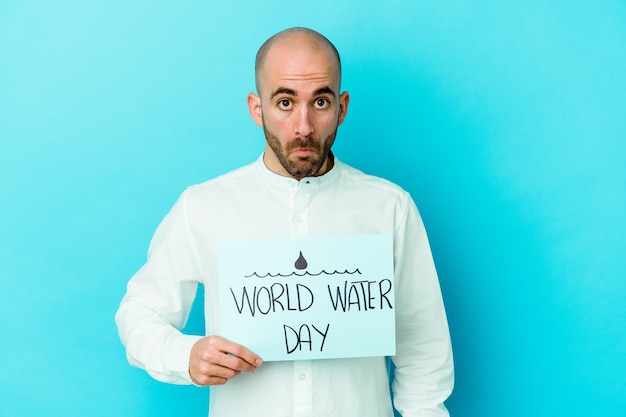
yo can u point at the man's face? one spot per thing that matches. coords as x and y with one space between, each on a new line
299 107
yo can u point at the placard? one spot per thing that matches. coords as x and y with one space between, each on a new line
309 298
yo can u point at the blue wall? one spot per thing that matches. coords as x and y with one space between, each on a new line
505 120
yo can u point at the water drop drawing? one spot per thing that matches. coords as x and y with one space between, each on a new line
301 262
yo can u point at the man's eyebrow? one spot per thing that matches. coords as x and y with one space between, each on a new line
325 90
283 90
289 91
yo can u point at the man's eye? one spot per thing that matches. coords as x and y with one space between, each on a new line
322 103
284 104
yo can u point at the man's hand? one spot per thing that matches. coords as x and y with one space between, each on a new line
214 360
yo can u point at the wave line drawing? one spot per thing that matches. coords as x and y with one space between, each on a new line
270 275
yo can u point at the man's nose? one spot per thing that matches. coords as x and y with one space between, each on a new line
303 123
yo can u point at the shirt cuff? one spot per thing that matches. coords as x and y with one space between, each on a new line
176 361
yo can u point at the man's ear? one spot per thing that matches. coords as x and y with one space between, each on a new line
254 106
344 100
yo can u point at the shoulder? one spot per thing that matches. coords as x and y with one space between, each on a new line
378 186
217 194
221 183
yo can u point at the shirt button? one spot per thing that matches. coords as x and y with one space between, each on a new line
298 219
301 377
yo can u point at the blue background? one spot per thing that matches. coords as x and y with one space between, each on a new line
504 119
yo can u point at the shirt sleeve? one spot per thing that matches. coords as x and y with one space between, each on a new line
424 374
158 300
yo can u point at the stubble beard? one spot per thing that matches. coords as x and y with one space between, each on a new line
301 167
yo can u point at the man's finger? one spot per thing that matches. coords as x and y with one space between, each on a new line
238 357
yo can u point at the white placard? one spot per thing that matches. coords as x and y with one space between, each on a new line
309 298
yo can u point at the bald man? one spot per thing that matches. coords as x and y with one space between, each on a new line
297 188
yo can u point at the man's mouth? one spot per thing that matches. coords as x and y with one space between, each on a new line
303 152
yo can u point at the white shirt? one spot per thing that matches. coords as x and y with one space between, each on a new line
253 202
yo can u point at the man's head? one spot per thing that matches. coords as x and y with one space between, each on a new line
308 36
299 105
